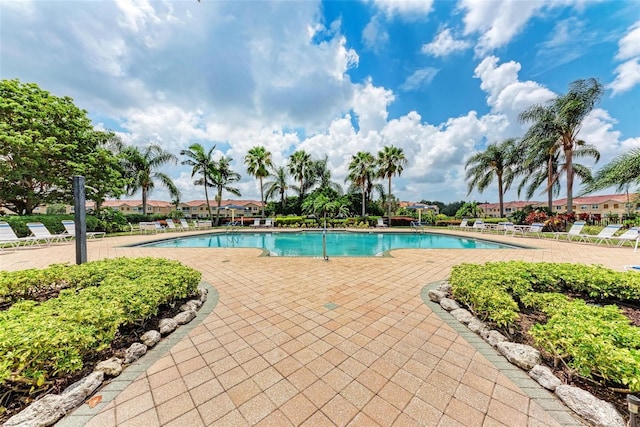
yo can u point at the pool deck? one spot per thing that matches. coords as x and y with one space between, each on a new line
302 341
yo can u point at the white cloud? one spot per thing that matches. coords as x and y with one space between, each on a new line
419 79
370 105
444 44
498 21
629 45
374 36
627 76
627 73
407 9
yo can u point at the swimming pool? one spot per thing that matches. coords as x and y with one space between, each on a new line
339 243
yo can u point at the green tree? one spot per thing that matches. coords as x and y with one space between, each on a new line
620 173
201 162
299 167
469 209
322 175
391 161
222 176
320 205
44 141
497 161
141 169
361 172
279 186
562 120
258 162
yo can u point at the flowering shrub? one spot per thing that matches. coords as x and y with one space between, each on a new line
536 216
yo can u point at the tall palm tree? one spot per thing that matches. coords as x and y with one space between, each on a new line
200 162
391 161
299 165
562 119
497 160
222 176
279 185
141 170
361 171
258 162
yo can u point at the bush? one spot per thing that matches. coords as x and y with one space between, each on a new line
42 341
52 222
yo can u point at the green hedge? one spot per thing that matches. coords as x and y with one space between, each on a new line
42 341
596 341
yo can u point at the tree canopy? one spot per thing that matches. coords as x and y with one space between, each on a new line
44 141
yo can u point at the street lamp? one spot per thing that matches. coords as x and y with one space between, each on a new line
634 404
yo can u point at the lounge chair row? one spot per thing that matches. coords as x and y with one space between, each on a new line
39 234
605 236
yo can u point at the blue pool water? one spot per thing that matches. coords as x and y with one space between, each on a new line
339 244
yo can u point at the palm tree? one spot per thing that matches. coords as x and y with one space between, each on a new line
279 185
221 176
201 162
140 170
621 172
391 161
562 120
322 176
497 160
361 171
299 165
258 161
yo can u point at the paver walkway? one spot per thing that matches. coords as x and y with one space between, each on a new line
301 341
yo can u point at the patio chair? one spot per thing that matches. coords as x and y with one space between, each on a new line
417 226
148 227
256 222
535 229
70 229
268 222
9 237
604 235
631 235
184 224
463 224
478 225
381 223
171 226
40 232
573 233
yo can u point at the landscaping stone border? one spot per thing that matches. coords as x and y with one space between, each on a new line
140 357
545 399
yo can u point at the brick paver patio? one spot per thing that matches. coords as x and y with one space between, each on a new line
301 341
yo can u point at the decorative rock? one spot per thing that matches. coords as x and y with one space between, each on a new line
191 305
42 412
184 317
197 303
445 287
597 412
476 325
203 294
111 367
77 392
448 304
544 376
436 295
167 326
134 352
492 337
521 355
462 315
150 338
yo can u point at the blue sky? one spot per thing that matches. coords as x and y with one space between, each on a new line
440 79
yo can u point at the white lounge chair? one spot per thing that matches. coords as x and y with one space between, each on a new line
9 237
604 235
462 226
573 233
478 225
535 229
381 223
268 222
184 224
40 232
256 222
70 229
631 235
148 227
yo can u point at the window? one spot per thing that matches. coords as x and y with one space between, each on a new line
507 210
584 207
615 206
595 206
558 208
605 206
